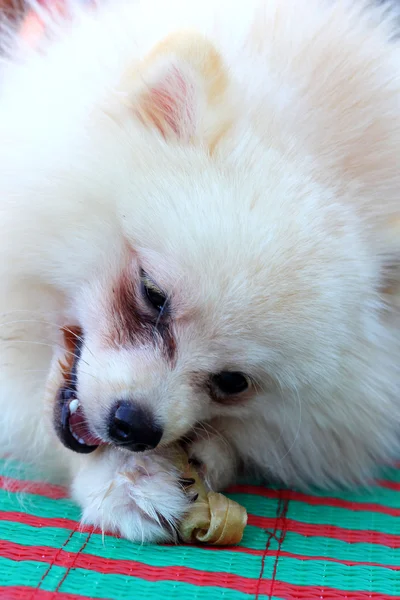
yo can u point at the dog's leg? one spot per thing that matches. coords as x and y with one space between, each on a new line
139 497
217 456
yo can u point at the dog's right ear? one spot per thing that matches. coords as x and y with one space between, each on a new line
176 86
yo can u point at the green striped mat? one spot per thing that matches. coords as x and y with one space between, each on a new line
296 546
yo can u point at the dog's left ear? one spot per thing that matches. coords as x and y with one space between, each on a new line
172 100
178 87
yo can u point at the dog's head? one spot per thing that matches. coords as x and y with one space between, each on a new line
236 274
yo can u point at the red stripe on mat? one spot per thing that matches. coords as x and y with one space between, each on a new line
39 488
309 530
57 492
316 500
21 592
330 531
34 521
182 574
303 557
299 592
390 485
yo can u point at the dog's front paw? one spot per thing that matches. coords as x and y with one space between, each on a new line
139 497
215 459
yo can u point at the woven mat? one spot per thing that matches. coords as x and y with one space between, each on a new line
296 546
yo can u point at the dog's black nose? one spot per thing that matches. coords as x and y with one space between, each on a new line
133 427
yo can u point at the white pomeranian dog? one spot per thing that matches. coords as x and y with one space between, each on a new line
200 207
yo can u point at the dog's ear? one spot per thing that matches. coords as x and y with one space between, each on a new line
177 86
171 100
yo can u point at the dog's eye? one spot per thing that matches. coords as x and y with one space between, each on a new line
231 382
152 293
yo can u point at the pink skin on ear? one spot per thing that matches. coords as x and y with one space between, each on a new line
169 104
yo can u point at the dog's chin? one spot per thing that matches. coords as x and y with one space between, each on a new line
71 424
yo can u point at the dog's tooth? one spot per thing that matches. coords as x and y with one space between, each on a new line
73 406
74 434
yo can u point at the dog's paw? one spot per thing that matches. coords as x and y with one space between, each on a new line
139 497
215 460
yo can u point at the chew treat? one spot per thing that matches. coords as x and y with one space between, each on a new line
213 518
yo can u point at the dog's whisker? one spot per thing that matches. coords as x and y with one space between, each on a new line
81 339
46 371
39 343
210 430
57 326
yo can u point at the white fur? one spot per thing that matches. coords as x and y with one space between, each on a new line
275 248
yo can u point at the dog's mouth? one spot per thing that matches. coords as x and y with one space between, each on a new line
70 422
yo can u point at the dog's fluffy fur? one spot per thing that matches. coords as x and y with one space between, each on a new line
246 155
